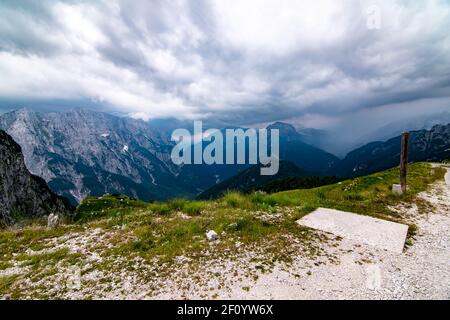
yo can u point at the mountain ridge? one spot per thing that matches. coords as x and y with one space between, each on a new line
23 194
80 152
424 145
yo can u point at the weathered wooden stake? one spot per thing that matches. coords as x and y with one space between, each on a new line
404 160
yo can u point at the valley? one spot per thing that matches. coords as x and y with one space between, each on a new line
82 153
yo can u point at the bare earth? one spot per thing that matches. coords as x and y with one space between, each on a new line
336 268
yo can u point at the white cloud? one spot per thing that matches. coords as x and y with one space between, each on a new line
263 60
281 26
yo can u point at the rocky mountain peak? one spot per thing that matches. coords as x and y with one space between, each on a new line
23 194
286 129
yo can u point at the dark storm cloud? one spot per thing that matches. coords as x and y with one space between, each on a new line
240 62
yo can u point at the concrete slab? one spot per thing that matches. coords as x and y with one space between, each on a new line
379 233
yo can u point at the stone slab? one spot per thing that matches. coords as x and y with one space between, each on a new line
375 232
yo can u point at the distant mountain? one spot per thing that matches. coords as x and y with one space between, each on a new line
251 179
395 128
425 145
80 152
311 159
23 194
315 137
202 176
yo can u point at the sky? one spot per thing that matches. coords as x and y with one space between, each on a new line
323 63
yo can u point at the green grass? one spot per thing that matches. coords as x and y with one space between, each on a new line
31 237
233 199
177 204
107 206
5 265
368 195
161 209
195 208
234 212
118 207
48 258
5 284
172 237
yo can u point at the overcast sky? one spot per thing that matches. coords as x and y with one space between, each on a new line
320 63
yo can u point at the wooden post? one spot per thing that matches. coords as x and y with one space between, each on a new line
404 160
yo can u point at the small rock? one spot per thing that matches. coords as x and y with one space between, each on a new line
52 221
212 235
397 189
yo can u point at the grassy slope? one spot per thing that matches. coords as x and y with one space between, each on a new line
163 231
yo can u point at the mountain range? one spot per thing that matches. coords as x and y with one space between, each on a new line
80 152
424 145
340 140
